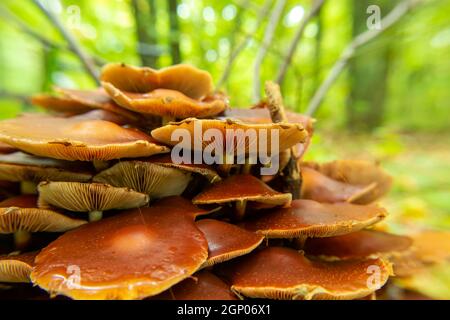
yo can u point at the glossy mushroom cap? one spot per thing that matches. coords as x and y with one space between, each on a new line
16 268
359 173
288 134
87 197
186 79
146 177
75 139
20 214
227 241
19 166
282 273
203 285
318 187
358 245
133 255
242 188
307 218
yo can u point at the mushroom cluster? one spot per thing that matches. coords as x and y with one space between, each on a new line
96 205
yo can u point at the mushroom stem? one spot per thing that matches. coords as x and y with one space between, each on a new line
247 167
21 239
28 187
166 120
241 205
100 165
95 216
301 242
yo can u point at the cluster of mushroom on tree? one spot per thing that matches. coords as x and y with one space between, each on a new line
95 207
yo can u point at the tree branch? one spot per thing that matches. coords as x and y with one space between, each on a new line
241 46
389 20
298 35
268 37
72 42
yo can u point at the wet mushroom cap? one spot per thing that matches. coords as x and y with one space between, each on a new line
86 197
75 139
242 187
317 186
283 273
133 255
20 213
245 136
357 245
203 285
227 241
166 103
307 218
192 82
16 268
146 177
19 166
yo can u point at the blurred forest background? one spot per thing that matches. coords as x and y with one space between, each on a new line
390 103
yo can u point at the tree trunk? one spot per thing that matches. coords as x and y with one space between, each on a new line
174 32
145 17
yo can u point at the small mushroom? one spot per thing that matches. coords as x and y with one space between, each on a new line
88 197
283 273
20 216
75 139
190 81
133 255
307 218
227 241
16 268
203 285
155 180
358 173
240 189
319 187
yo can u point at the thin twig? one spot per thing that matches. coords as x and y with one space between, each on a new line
72 42
241 46
298 35
268 37
394 16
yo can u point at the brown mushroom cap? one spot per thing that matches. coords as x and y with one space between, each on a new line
358 245
186 79
19 166
243 187
318 187
74 139
6 148
133 255
149 178
166 103
289 134
203 285
87 197
307 218
63 105
20 213
16 268
282 273
357 172
227 241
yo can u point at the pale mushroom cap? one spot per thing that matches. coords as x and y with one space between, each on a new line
358 245
86 197
16 268
282 273
227 241
19 166
75 139
189 80
203 285
20 214
313 219
133 255
247 135
166 103
155 180
239 188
